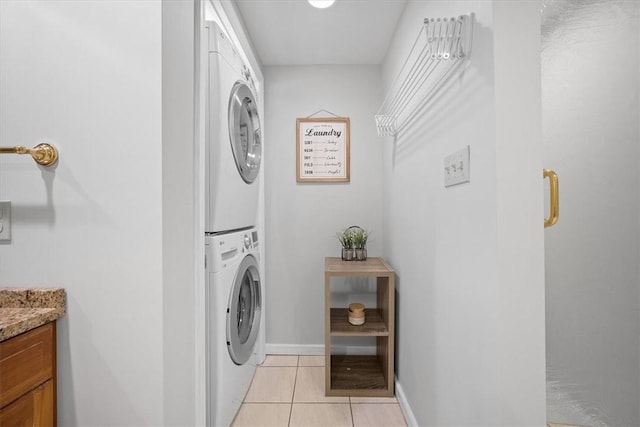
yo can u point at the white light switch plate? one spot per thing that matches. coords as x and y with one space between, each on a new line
456 167
5 221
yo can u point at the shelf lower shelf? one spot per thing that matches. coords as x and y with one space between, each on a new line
373 326
358 376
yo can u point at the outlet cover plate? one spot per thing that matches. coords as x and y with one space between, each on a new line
5 221
456 167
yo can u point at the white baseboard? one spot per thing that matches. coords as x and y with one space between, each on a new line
404 406
304 349
318 349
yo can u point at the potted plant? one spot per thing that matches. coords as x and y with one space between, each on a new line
346 240
359 237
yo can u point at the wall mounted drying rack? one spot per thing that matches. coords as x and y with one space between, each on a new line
44 154
442 44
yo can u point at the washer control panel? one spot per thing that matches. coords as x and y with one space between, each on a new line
230 248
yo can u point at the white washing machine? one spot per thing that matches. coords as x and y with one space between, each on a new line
234 313
234 138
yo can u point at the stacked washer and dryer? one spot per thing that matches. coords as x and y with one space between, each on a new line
234 288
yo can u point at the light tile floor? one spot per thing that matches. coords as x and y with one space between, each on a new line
288 391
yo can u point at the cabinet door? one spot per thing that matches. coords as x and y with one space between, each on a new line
33 409
26 361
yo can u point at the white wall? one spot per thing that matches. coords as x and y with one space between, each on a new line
591 138
302 219
182 216
88 78
520 257
470 303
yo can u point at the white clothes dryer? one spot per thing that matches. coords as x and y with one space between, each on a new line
234 138
234 308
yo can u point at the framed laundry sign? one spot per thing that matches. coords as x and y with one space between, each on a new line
322 149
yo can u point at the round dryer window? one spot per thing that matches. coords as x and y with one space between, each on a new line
243 314
244 132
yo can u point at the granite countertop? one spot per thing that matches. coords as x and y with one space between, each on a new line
23 309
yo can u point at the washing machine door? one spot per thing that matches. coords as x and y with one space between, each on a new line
243 311
245 132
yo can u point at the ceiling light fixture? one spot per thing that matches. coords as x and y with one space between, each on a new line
321 4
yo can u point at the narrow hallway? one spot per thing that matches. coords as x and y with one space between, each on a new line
289 391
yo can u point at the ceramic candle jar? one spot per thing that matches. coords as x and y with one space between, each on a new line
356 313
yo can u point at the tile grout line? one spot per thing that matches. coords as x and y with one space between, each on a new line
295 381
353 423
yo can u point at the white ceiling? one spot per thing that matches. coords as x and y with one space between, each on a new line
292 32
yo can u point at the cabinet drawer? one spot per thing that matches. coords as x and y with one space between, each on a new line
26 361
33 409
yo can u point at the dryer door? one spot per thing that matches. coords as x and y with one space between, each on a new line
244 132
243 311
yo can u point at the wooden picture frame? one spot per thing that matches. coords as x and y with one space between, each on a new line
323 149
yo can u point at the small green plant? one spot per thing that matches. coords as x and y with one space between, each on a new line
346 239
360 237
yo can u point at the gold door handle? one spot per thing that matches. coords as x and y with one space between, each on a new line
44 154
554 197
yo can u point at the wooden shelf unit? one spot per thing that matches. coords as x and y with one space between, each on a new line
361 375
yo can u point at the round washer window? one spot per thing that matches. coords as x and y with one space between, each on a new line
244 132
243 314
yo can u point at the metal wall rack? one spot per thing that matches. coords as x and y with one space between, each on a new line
441 46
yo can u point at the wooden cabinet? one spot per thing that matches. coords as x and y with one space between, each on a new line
361 375
28 378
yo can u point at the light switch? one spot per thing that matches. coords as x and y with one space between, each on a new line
5 221
456 167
